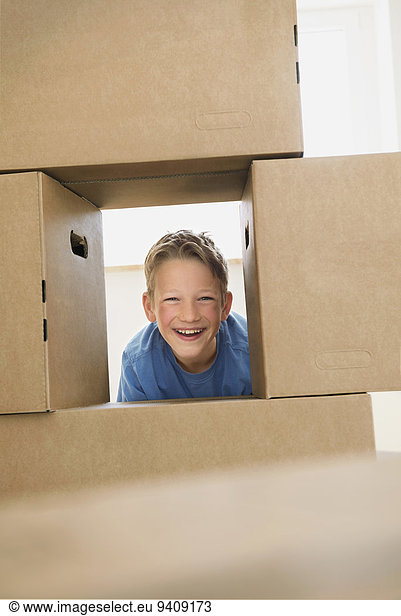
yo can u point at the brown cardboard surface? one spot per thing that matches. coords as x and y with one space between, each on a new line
132 191
331 531
75 448
118 89
322 274
70 367
22 349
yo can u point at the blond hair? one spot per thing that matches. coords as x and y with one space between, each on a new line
186 244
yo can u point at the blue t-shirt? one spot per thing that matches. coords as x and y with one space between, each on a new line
151 372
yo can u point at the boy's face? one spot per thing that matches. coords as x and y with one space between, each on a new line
188 308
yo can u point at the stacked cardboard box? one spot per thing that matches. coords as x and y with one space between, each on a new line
322 257
105 444
160 102
53 343
134 103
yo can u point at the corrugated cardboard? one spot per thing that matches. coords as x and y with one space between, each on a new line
306 532
75 448
53 347
99 91
322 262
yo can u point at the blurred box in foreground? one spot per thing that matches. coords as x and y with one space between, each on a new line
327 531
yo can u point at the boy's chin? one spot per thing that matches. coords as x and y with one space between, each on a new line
192 358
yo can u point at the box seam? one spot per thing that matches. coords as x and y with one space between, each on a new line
67 183
257 272
42 250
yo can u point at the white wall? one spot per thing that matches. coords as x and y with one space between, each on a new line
395 40
129 233
347 76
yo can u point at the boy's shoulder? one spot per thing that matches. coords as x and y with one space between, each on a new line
236 320
143 342
235 331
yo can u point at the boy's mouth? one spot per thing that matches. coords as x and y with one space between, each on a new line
190 334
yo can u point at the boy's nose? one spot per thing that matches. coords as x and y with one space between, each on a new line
189 312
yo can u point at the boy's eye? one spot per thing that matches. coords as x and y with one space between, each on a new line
206 299
171 299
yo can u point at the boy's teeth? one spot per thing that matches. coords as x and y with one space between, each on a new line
189 331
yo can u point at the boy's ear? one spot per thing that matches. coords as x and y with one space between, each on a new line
227 306
147 306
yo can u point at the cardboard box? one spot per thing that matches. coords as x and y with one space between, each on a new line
53 347
322 263
331 531
105 95
80 448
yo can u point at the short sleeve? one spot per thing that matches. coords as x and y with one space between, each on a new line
129 388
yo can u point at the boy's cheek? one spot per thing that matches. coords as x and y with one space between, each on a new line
165 314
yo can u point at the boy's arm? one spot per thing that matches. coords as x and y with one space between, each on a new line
129 389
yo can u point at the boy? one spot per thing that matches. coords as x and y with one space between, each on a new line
193 347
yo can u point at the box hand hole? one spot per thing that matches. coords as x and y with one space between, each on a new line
79 245
247 235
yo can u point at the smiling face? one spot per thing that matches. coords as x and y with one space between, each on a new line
188 308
